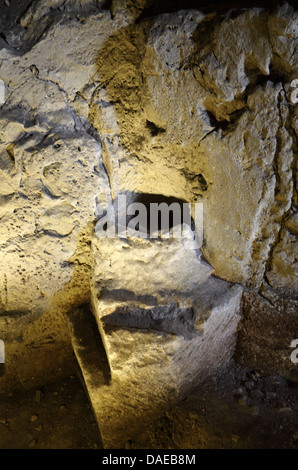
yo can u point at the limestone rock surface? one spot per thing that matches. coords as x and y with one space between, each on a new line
100 101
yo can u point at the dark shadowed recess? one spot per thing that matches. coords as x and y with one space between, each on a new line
157 7
146 200
12 11
169 319
87 343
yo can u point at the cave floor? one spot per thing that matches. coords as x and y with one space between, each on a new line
235 409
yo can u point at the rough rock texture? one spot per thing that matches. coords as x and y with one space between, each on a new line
266 334
50 175
186 96
164 329
155 354
100 101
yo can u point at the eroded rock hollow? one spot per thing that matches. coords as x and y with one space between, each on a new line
102 100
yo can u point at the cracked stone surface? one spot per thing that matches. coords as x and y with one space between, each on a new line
155 354
101 100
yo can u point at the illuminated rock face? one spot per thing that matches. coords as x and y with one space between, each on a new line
166 324
185 105
213 122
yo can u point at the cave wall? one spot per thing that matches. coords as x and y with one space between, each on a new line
110 98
